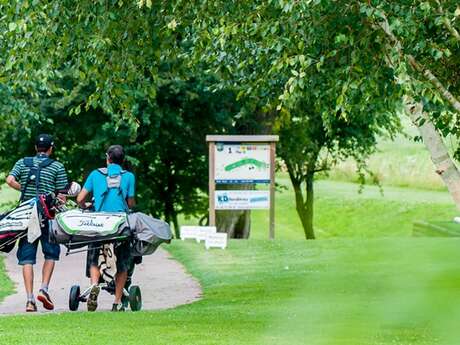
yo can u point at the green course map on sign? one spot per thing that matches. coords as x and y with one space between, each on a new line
246 161
242 163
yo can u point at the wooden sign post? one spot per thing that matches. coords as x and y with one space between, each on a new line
242 159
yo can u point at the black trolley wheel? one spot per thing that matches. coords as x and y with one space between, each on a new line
135 298
74 297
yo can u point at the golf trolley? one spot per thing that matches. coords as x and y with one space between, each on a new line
132 296
77 229
139 233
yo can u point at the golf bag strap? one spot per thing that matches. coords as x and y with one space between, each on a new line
104 171
43 164
29 162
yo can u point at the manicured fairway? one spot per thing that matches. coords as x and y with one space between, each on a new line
339 291
340 211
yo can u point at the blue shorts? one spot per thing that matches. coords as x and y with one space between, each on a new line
27 252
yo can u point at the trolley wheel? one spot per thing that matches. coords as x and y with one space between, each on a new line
74 297
135 298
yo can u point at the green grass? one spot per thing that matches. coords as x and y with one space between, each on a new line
6 286
7 195
382 291
340 211
369 283
436 229
402 162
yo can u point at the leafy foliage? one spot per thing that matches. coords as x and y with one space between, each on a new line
167 152
321 70
103 72
324 74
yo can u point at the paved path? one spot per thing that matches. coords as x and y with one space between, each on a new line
163 281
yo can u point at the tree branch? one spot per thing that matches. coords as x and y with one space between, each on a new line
447 22
420 68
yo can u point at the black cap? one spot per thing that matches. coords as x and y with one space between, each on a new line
44 141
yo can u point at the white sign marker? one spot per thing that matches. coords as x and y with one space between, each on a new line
217 240
197 233
204 232
189 232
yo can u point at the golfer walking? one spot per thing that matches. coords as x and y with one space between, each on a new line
32 176
113 190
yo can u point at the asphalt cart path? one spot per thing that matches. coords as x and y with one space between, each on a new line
163 281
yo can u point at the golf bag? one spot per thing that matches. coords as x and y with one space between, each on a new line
18 223
77 228
14 224
148 233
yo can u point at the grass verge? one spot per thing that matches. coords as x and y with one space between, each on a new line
6 285
341 211
354 291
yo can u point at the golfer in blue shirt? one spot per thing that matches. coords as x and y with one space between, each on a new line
113 190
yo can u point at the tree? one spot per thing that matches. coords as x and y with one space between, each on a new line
315 67
422 41
167 152
340 68
403 47
126 66
114 71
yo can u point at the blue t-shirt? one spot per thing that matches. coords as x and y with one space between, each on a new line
96 183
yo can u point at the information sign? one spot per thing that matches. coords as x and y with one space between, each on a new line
242 163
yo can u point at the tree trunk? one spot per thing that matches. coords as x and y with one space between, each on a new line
176 224
237 223
304 208
170 210
309 232
171 217
444 164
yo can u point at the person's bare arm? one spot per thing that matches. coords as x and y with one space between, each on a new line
11 181
81 197
131 202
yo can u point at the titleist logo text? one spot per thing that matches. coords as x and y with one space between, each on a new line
90 223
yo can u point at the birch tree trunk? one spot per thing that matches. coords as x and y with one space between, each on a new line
444 164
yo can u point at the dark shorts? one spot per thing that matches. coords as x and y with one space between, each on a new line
27 252
122 252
